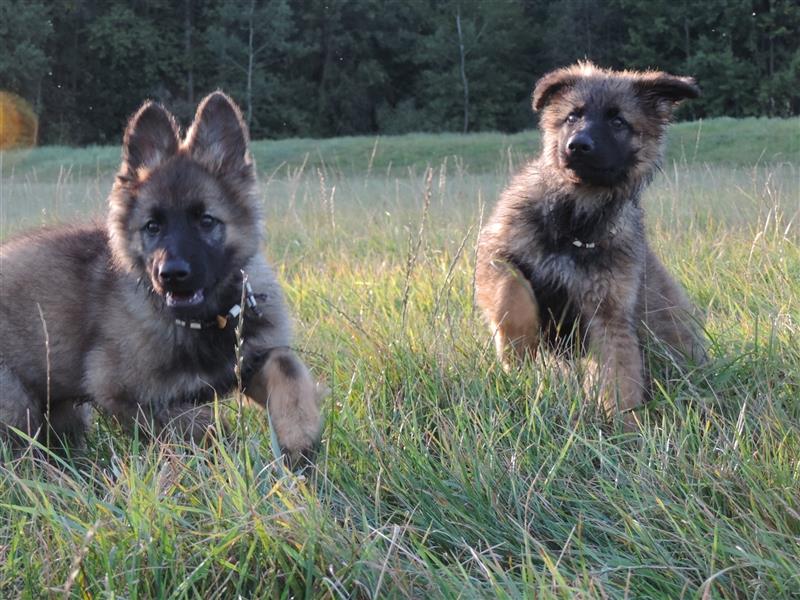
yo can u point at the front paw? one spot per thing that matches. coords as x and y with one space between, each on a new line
300 458
294 407
286 389
297 421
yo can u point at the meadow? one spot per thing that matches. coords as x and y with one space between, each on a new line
439 474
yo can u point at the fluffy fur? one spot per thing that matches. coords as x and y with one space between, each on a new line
563 260
88 315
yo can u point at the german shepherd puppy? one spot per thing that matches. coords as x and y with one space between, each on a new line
564 258
139 317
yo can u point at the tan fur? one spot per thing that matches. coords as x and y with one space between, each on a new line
511 311
112 341
616 290
286 387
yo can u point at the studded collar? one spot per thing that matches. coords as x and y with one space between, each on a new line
612 231
221 321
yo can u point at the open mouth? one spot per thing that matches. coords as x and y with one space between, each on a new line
184 299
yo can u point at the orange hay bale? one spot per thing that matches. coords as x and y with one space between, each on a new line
18 123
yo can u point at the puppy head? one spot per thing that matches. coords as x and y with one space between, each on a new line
605 128
184 213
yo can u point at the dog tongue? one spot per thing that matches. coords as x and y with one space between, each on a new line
187 299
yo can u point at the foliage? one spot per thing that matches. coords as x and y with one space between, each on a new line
24 31
319 68
250 40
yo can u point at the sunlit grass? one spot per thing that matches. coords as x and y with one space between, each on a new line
737 142
440 475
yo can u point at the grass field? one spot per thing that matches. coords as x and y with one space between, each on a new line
440 475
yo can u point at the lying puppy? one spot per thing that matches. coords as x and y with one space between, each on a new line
139 317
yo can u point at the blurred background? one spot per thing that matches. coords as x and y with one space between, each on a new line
323 68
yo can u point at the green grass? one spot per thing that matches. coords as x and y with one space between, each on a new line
440 475
742 142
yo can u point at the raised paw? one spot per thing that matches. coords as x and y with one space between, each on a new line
285 386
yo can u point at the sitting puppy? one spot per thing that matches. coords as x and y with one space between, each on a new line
139 317
564 258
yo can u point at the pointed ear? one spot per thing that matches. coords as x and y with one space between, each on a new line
150 138
218 136
552 84
662 88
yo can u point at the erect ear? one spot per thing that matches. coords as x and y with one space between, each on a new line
218 136
662 87
552 84
150 138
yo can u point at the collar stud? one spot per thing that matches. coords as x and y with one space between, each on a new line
221 321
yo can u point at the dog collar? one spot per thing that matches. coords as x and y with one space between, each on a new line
221 321
612 231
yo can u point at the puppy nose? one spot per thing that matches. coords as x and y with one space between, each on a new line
580 143
174 270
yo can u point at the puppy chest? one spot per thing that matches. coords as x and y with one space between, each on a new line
569 293
164 377
190 381
183 388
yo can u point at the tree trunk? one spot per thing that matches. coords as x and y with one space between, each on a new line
463 69
588 22
322 96
187 47
687 39
38 110
250 57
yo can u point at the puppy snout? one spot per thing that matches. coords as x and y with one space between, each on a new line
580 144
174 270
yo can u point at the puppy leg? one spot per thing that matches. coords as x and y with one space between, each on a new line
667 312
18 410
510 307
614 350
69 423
286 388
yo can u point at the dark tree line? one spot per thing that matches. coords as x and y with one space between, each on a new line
339 67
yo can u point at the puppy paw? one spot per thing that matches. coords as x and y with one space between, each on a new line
298 430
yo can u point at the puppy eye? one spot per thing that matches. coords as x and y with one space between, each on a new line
618 122
207 221
151 227
572 118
